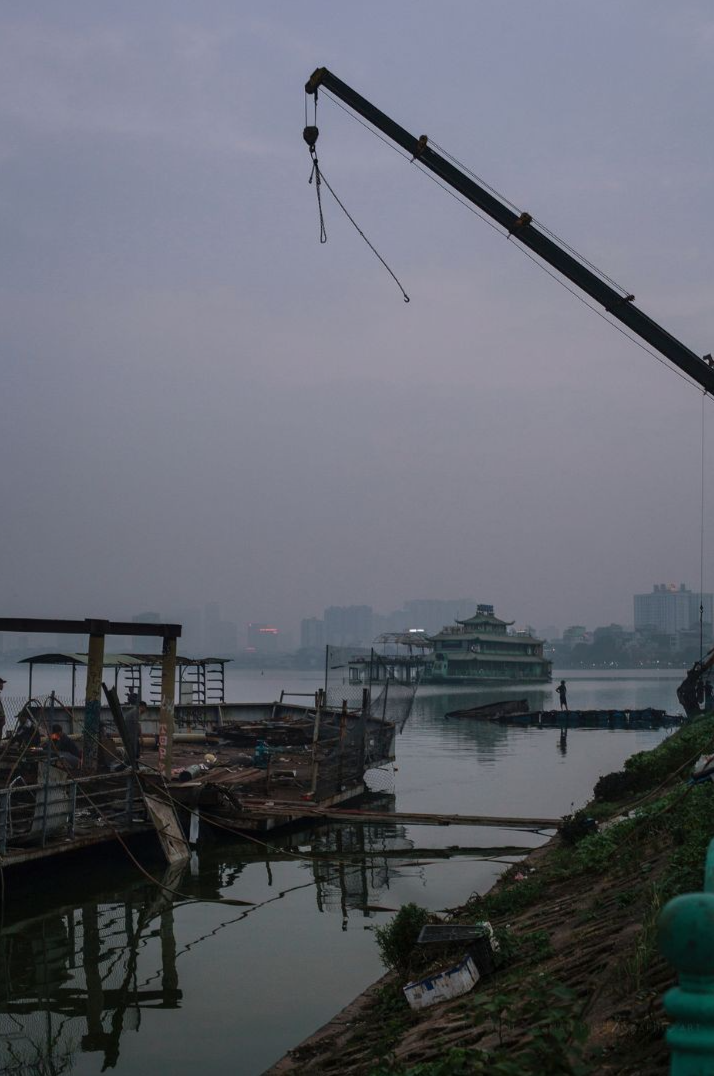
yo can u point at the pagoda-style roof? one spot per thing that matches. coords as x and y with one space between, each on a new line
484 624
479 618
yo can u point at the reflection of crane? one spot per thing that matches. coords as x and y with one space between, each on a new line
519 226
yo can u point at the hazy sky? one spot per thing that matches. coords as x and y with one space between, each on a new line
201 403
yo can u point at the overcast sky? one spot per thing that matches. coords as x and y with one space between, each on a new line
202 403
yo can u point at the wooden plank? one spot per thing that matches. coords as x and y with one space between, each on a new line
405 854
161 809
399 817
168 828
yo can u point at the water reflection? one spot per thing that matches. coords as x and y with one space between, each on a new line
108 971
69 980
88 966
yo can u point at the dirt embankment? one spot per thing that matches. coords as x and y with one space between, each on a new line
580 982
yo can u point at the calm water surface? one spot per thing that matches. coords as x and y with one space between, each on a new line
105 971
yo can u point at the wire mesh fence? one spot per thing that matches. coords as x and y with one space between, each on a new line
381 779
343 680
349 671
46 709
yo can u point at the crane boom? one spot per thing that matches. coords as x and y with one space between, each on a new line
521 227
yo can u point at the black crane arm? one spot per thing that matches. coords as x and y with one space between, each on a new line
522 228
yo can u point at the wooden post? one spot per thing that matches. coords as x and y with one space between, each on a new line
93 701
366 704
340 760
686 940
166 713
315 738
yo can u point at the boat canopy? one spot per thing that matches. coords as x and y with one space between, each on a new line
201 679
112 661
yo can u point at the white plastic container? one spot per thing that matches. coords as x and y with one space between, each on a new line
449 983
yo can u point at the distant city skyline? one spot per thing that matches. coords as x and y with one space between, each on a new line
211 630
203 403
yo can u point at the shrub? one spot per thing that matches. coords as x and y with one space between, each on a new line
573 827
649 769
397 939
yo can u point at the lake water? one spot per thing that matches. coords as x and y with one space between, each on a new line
104 970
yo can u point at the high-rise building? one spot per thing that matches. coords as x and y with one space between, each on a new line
263 639
191 641
220 637
312 633
224 639
348 625
670 609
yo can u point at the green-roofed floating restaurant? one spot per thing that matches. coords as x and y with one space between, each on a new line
482 650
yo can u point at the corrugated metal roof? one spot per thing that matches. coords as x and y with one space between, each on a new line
68 658
115 660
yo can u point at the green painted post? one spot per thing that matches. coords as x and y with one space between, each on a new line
686 940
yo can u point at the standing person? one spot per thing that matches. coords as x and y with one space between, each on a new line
2 708
563 692
132 720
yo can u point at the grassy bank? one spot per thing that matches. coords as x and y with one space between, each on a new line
579 983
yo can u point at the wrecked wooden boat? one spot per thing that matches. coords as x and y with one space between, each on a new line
491 711
272 772
292 730
235 767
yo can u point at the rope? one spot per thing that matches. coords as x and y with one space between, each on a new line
480 180
168 889
633 340
315 173
701 551
213 821
319 179
524 250
543 227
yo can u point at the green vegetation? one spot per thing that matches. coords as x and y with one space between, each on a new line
554 1045
393 1018
512 896
654 832
647 770
397 939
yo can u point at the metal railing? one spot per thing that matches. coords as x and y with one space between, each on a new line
686 940
62 808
